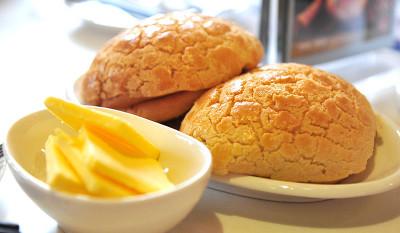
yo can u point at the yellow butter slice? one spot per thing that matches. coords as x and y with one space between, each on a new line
94 183
142 174
60 175
117 132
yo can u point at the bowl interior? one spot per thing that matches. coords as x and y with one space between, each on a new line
183 156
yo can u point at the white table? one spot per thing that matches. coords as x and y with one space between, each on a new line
43 49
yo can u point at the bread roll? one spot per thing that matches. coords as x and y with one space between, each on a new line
287 122
166 54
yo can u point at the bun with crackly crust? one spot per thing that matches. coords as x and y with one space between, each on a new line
287 122
179 54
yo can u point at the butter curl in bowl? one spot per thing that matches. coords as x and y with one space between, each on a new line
160 66
288 122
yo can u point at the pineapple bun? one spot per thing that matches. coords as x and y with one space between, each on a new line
288 122
160 66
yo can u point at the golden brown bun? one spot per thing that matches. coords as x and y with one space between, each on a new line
167 54
288 122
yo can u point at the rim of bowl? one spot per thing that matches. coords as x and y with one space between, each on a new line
205 168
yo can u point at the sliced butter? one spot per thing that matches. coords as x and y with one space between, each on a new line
142 174
60 175
118 133
94 183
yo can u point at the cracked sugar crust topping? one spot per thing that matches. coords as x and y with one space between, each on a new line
169 53
287 122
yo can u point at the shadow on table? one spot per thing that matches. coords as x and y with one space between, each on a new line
341 213
57 230
202 219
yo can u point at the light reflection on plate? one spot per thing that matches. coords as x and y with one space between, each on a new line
71 93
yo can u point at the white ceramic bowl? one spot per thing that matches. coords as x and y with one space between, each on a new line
188 161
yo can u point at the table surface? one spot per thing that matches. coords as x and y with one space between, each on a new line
44 49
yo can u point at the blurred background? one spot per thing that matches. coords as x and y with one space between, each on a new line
308 31
45 45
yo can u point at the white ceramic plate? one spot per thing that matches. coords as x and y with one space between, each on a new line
71 93
382 174
103 16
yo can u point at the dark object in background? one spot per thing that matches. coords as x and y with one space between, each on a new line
8 227
316 31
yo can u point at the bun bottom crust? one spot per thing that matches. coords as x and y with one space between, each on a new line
166 107
159 109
